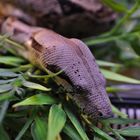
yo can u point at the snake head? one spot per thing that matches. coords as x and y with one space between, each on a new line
94 101
52 51
80 69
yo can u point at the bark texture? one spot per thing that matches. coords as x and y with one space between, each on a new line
72 18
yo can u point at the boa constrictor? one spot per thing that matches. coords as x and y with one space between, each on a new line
47 49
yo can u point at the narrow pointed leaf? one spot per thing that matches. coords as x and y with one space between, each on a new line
118 112
96 137
6 81
8 74
77 125
6 87
71 132
130 131
115 6
122 121
6 96
102 133
39 99
56 122
24 129
11 60
35 86
39 129
116 134
3 134
3 110
107 64
118 77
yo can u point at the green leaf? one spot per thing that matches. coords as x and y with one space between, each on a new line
122 121
6 81
115 6
3 134
130 131
11 60
6 87
6 96
96 137
24 129
102 133
107 64
56 122
7 73
118 136
3 110
39 99
77 125
118 77
35 86
127 53
39 129
118 112
71 132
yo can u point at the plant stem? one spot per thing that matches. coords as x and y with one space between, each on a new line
116 134
3 110
110 38
4 38
107 37
125 18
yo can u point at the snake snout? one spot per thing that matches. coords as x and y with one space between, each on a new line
105 116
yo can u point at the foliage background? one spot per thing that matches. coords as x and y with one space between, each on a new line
33 106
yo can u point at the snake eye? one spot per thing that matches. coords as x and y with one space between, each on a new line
36 45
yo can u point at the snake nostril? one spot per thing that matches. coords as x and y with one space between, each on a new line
101 115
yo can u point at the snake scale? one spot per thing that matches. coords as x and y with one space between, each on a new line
48 49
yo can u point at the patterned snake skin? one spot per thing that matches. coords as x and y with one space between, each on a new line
48 49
